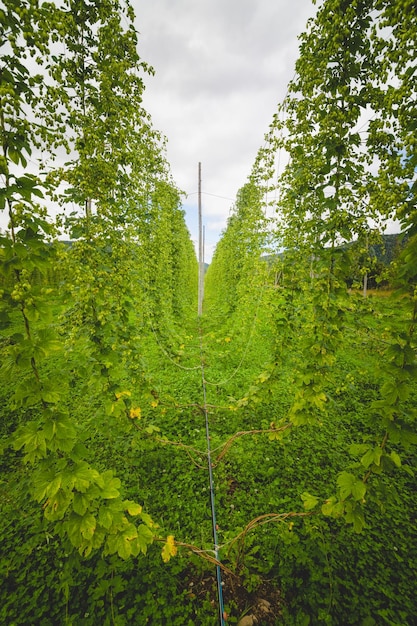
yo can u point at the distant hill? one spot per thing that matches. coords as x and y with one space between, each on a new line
383 253
387 250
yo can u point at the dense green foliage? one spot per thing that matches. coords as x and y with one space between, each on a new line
86 98
320 567
310 388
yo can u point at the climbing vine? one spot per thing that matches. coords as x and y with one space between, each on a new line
101 356
86 98
346 132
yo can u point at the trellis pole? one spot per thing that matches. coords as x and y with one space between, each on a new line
200 248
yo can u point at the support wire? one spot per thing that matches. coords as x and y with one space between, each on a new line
212 499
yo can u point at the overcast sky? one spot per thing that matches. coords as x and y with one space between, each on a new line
221 68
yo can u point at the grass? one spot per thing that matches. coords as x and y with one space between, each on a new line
311 569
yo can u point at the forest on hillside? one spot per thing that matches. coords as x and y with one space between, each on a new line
251 465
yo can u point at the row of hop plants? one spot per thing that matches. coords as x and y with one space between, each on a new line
346 132
346 135
77 143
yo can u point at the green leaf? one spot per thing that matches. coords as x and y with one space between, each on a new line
132 507
33 441
14 155
51 397
54 486
80 503
124 548
359 490
88 525
58 505
310 502
395 457
82 476
403 390
368 458
146 518
345 482
105 517
111 488
31 313
152 429
328 507
358 522
408 437
355 516
390 392
144 538
98 538
358 448
378 452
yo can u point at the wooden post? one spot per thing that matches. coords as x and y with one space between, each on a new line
200 248
365 277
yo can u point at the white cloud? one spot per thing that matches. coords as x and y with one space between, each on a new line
222 66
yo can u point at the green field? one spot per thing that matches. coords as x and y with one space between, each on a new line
254 464
302 562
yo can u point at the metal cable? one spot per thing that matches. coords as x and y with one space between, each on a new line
212 499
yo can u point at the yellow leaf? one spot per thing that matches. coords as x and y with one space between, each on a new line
135 413
154 404
120 394
227 339
169 549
